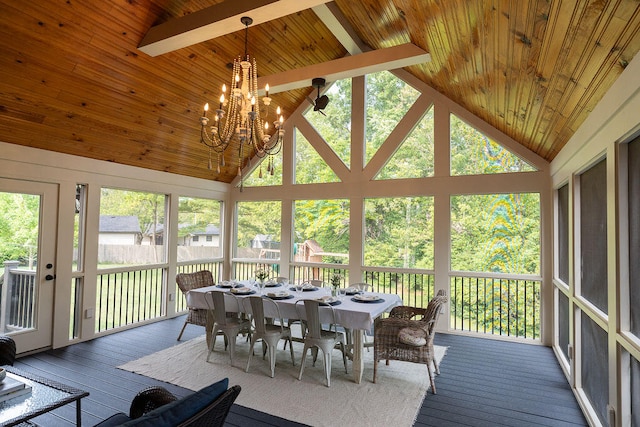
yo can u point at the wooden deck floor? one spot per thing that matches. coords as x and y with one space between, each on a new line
483 382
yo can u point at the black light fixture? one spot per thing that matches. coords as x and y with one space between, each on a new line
321 102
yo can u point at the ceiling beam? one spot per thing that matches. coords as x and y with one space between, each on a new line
216 21
336 22
373 61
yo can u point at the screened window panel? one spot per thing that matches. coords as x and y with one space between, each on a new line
563 233
563 323
635 392
634 235
593 235
595 363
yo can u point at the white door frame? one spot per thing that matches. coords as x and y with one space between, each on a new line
41 335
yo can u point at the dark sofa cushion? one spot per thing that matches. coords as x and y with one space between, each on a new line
174 413
114 420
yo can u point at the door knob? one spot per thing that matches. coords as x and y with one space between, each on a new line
49 277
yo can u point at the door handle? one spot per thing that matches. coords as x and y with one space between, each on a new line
49 277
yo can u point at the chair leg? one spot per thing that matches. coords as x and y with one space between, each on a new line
250 355
212 343
272 359
375 370
232 347
304 357
293 361
433 384
327 366
344 358
182 330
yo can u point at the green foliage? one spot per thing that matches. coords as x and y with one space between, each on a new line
335 125
414 158
194 214
19 221
496 233
268 172
387 100
148 207
473 153
310 167
258 218
327 222
399 232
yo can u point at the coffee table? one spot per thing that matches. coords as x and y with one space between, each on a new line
45 396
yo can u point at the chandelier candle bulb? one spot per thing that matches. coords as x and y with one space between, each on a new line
266 89
206 108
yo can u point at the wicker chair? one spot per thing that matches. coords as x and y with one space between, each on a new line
188 281
155 406
7 350
407 335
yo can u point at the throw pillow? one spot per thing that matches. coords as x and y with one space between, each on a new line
413 336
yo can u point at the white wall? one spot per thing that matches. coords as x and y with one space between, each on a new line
615 120
29 164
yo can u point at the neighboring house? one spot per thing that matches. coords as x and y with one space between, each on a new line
264 241
210 236
309 251
119 230
147 236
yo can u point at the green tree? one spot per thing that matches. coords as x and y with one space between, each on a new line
19 222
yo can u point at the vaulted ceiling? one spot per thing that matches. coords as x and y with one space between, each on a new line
77 78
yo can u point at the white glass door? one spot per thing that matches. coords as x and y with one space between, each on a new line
28 220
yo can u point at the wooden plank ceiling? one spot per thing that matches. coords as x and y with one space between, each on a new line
73 80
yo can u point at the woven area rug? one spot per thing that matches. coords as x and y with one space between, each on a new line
394 399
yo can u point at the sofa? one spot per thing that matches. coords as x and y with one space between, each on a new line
157 407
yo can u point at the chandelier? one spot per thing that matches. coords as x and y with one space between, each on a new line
238 117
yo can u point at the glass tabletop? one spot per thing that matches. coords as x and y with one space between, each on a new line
45 395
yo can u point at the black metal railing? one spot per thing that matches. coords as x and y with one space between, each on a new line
415 288
128 296
496 305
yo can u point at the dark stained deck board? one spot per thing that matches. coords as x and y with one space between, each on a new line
483 382
492 383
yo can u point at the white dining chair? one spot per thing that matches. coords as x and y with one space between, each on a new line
230 326
266 331
317 338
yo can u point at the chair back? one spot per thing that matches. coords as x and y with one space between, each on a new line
312 313
434 308
317 283
199 279
361 286
216 412
283 280
255 306
216 301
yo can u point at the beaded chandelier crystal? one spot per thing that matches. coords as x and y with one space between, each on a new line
238 117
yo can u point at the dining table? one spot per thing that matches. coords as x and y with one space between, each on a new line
356 312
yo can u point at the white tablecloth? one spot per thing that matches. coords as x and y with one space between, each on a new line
350 314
